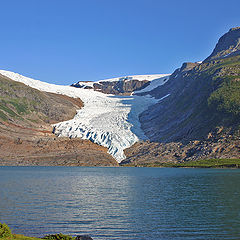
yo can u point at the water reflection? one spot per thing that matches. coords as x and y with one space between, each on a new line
121 203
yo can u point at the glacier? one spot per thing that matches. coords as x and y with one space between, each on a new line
108 120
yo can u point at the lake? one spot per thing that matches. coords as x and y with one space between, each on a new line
121 203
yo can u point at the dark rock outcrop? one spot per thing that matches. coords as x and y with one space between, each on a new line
124 86
187 66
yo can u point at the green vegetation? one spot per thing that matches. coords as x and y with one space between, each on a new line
5 234
21 106
13 103
22 237
3 116
205 163
21 103
59 236
6 109
225 99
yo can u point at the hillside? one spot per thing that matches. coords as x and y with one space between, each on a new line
19 103
199 100
200 118
26 138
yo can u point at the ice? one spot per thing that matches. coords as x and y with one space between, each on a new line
155 83
108 120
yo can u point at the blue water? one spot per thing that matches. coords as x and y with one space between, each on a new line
121 203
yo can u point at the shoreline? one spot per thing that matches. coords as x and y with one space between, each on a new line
204 163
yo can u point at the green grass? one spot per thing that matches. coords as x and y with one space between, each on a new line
226 98
14 108
52 237
205 163
22 237
21 107
7 110
6 234
3 116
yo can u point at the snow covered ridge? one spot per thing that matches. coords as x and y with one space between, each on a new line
108 120
149 77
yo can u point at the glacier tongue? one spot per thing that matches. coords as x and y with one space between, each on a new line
108 120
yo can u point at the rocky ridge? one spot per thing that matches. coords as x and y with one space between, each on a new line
228 45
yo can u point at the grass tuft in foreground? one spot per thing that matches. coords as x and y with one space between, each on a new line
6 234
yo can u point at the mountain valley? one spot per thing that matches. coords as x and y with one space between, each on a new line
189 115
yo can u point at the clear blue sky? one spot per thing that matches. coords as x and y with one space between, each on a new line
64 41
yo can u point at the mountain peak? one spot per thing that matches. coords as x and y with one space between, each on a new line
228 45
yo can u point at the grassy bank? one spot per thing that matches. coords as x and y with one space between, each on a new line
205 163
6 234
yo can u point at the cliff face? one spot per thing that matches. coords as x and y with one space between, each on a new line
183 114
125 87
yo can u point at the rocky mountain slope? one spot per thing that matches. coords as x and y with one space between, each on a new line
228 45
26 137
200 118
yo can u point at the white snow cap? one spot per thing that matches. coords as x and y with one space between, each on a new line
108 120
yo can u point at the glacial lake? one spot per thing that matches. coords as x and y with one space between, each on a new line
122 203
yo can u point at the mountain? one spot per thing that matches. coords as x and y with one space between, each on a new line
200 118
191 114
